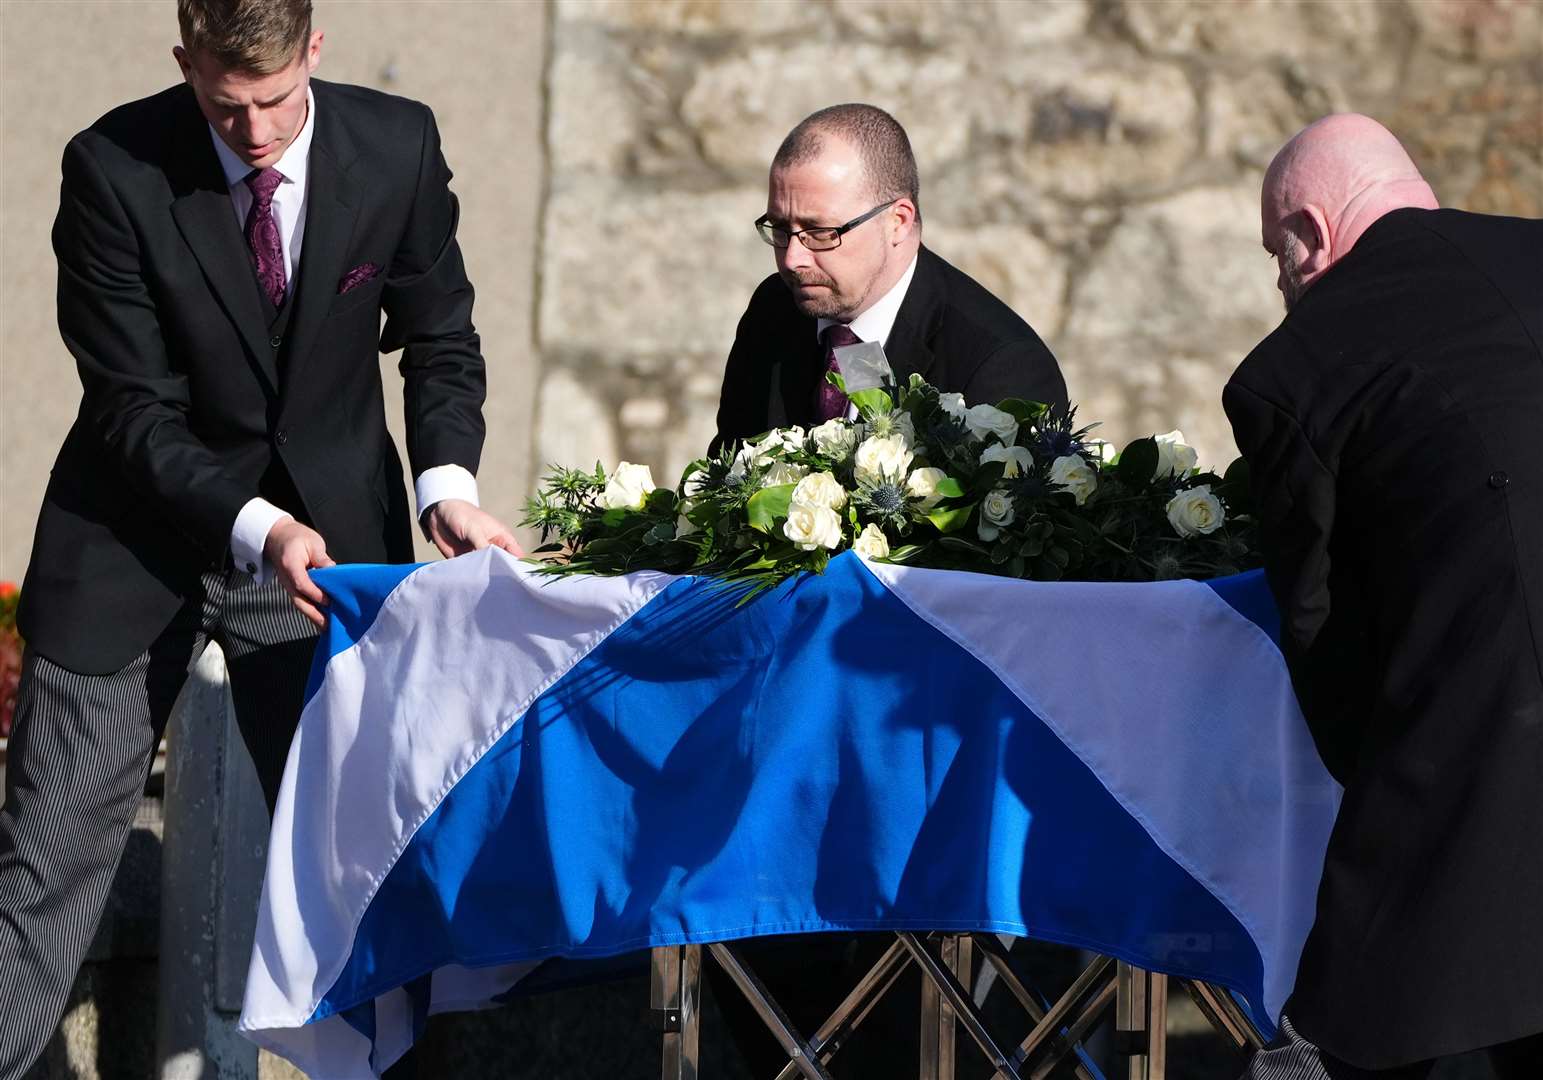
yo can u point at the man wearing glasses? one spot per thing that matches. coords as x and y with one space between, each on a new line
843 221
869 279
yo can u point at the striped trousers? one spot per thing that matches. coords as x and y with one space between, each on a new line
80 753
1291 1057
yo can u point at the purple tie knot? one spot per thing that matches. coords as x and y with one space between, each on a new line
264 182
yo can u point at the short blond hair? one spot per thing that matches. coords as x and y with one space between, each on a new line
255 36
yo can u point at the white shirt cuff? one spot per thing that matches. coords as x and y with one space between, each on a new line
444 482
250 534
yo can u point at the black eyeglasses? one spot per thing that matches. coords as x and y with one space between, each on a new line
819 239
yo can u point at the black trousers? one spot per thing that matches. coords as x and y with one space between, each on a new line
1291 1057
80 753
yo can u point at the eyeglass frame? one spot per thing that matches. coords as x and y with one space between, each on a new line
763 224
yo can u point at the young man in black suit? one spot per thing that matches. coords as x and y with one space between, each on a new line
843 216
225 250
1391 422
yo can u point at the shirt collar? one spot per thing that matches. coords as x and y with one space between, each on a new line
876 323
293 162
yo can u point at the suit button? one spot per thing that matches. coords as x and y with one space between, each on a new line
251 568
281 438
1498 479
275 341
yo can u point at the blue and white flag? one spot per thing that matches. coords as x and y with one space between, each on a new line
497 771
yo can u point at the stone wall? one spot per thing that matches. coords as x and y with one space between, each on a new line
1094 162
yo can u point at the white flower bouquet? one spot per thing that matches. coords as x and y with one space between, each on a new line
918 478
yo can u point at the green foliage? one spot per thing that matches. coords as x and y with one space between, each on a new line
729 516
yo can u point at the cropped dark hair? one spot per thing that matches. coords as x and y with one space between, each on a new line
880 141
255 36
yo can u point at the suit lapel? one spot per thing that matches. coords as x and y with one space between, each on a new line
801 366
201 208
909 347
332 207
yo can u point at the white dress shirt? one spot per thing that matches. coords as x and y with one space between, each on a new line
875 323
258 516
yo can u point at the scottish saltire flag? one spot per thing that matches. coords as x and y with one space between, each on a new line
498 772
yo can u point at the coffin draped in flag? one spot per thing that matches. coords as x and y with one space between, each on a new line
497 770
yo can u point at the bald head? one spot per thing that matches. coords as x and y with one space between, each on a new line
1326 187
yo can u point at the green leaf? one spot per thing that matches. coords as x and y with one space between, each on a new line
1023 411
660 501
1138 462
872 401
986 477
613 518
902 553
768 506
1236 488
951 519
949 488
959 543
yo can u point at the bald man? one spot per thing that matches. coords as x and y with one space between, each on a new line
1392 424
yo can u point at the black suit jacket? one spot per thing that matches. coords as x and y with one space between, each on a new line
192 404
1392 423
949 330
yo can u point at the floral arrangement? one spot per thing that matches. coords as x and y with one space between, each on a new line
918 478
10 655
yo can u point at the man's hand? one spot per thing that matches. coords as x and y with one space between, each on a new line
456 527
292 549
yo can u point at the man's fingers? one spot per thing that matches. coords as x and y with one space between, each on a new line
310 611
508 544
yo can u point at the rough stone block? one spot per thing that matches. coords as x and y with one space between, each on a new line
634 271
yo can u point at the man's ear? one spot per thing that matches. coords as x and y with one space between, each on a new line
1313 230
902 217
184 63
313 51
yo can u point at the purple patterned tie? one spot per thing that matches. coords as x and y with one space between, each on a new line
830 403
262 233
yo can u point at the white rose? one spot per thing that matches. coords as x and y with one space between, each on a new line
872 543
694 482
923 484
820 489
1195 512
747 457
684 525
835 438
996 512
1174 458
788 438
1017 458
627 487
883 458
810 526
986 420
783 472
1072 473
953 405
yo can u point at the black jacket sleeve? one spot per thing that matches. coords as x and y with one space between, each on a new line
428 304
